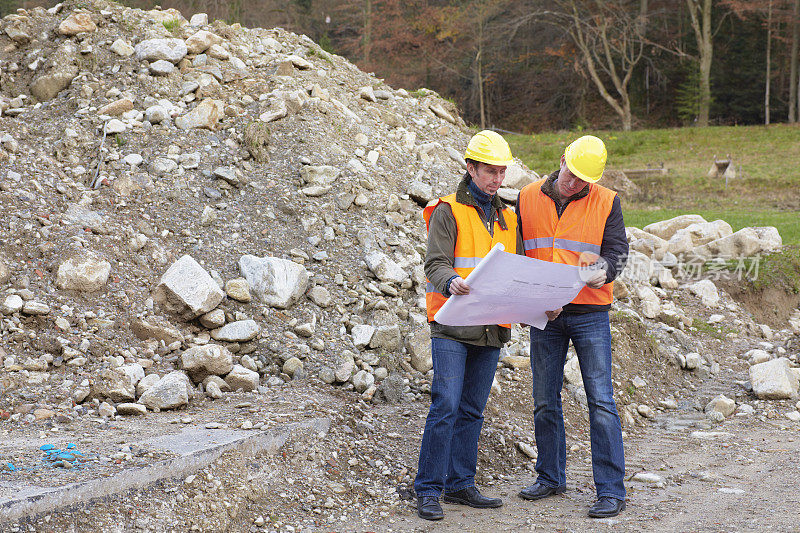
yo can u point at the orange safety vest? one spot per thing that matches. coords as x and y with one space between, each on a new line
573 239
473 242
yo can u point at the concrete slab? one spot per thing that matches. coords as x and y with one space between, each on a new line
194 449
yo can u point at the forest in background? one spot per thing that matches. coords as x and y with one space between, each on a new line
539 65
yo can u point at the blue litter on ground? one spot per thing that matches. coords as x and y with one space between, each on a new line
67 458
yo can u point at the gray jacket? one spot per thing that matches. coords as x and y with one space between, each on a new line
442 234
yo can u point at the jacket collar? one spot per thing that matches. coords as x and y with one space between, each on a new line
463 196
549 188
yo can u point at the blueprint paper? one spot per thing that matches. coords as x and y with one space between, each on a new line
509 288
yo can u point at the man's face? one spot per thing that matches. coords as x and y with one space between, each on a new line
568 183
488 178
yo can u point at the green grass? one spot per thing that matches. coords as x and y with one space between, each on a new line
766 193
172 25
780 269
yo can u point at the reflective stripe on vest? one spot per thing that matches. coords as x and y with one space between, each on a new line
473 242
572 239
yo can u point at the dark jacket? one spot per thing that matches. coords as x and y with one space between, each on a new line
613 249
442 234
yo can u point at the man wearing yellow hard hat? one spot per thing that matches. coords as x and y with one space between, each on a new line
462 228
569 218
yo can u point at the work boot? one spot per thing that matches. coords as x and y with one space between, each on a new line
607 507
537 491
428 508
472 497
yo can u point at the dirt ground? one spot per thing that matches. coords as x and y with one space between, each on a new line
739 475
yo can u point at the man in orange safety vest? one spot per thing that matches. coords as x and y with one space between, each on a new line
462 228
569 218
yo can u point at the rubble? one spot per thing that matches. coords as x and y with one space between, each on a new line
248 221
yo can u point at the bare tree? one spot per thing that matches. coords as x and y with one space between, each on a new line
793 62
609 36
769 65
700 16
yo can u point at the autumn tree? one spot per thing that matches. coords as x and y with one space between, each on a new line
609 37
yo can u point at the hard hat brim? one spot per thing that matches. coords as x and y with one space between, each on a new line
488 161
580 174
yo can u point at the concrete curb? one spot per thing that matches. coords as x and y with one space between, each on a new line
193 455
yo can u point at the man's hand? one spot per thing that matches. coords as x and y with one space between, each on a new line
458 286
597 279
552 315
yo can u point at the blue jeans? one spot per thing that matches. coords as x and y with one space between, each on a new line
591 336
462 378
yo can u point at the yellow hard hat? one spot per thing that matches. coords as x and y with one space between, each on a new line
586 158
489 147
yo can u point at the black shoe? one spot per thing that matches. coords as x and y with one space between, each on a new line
472 497
607 507
537 491
428 508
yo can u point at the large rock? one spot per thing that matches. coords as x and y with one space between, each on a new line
85 274
706 291
746 242
239 331
201 41
646 243
19 31
345 370
292 367
667 228
420 192
277 282
172 50
5 272
651 303
116 108
187 289
242 378
362 335
76 23
386 338
419 346
205 115
48 85
703 232
239 290
773 380
618 181
638 269
119 384
170 392
145 383
156 328
122 48
320 296
770 238
203 361
391 389
721 404
384 268
572 372
13 303
517 177
363 380
319 175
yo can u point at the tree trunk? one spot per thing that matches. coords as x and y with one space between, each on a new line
479 61
367 31
769 66
706 49
793 63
